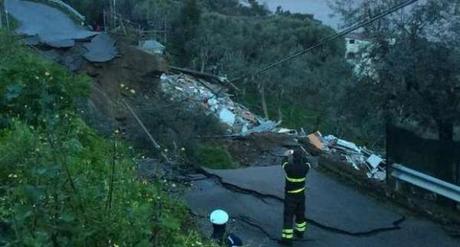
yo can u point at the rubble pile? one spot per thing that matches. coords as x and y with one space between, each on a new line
359 158
240 120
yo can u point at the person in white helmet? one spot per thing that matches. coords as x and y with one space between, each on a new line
219 219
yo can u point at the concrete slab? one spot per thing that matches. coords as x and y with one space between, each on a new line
100 49
324 195
52 26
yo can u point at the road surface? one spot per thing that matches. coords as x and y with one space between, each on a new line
337 214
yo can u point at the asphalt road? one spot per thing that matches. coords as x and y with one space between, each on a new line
51 25
338 215
43 24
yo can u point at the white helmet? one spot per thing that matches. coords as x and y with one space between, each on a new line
218 217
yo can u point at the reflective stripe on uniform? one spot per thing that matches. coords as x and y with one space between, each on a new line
284 164
295 180
301 227
287 233
287 236
296 191
301 224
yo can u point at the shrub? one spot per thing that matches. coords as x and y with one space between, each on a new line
64 185
215 157
80 190
31 88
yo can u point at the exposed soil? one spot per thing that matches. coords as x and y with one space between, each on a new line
133 74
258 149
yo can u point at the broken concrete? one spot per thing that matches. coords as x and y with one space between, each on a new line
101 49
52 26
256 208
152 46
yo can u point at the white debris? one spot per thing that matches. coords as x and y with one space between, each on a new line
211 98
358 157
374 161
378 175
349 145
227 117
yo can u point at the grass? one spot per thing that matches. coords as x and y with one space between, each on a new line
215 157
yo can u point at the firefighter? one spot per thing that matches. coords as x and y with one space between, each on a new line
296 168
219 219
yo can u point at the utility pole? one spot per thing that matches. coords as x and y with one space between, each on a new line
114 13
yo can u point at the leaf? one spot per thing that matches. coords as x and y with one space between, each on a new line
66 217
33 193
13 91
170 223
144 243
23 212
74 145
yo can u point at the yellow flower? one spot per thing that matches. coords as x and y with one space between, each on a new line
47 73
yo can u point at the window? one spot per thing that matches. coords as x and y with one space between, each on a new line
352 41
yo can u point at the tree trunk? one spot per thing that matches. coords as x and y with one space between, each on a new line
202 65
1 18
280 100
263 100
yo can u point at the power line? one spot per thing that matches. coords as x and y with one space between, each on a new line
323 41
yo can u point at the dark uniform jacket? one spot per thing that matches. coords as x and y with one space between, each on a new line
295 174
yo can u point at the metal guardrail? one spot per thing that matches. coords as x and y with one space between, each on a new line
426 182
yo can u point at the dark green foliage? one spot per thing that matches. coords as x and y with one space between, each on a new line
177 126
215 157
184 29
226 38
415 77
62 184
91 9
31 89
233 46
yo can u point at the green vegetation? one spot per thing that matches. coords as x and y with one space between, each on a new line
215 157
62 184
228 39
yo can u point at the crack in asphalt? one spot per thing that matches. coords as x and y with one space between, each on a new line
248 221
262 196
